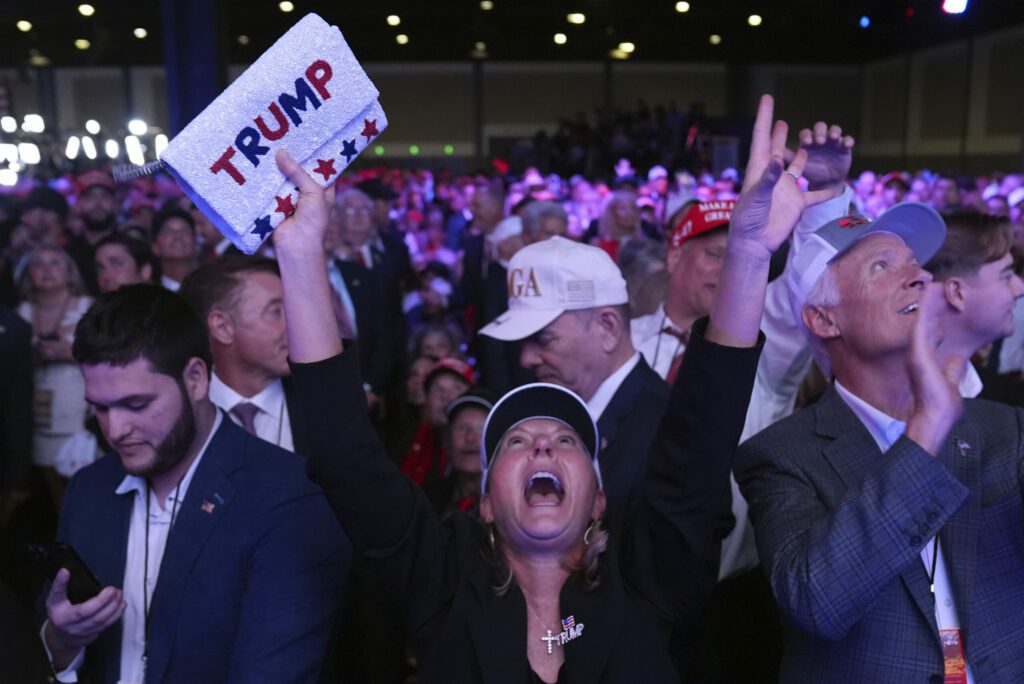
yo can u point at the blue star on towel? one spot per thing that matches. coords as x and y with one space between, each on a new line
263 227
349 150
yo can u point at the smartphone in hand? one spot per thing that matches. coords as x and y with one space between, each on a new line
83 584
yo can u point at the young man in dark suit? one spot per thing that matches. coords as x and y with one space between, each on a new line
220 561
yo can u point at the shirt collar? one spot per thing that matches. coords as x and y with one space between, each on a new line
884 429
268 400
607 389
134 483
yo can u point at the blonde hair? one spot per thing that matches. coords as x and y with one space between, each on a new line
75 285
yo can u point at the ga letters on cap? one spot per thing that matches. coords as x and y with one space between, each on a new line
306 93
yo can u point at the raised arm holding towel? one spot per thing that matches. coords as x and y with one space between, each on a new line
538 591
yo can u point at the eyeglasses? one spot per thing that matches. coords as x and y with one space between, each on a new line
352 211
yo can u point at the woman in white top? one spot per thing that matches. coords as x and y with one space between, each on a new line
54 301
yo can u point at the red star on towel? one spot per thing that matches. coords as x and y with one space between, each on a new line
325 167
285 206
369 129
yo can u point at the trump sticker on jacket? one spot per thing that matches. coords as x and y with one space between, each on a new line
307 93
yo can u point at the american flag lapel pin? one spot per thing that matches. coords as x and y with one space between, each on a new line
963 446
207 506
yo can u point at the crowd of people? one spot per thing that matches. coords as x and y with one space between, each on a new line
517 399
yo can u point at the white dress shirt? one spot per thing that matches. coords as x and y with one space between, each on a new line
133 623
271 421
885 430
659 348
338 284
607 389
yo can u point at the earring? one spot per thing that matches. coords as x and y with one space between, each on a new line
586 535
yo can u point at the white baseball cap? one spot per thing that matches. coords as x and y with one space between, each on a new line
547 278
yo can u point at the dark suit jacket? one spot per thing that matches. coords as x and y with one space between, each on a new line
500 370
247 591
300 436
469 295
840 529
380 331
15 401
655 573
22 658
627 428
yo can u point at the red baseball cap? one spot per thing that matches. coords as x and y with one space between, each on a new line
449 365
699 218
93 178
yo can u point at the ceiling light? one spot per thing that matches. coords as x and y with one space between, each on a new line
133 148
486 5
954 6
82 44
112 149
560 39
86 10
394 20
9 153
140 33
24 26
137 127
682 7
29 153
243 39
576 18
754 20
93 126
89 147
286 6
74 144
38 60
627 47
402 39
159 144
8 177
865 21
619 54
715 39
480 46
9 124
33 123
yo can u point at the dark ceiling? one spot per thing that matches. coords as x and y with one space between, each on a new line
447 30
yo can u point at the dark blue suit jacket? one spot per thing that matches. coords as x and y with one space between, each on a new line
840 528
627 428
247 591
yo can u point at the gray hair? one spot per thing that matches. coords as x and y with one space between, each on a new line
535 212
825 295
345 195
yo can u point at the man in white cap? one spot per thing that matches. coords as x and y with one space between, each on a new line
888 514
568 304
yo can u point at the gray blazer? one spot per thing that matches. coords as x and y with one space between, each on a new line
840 528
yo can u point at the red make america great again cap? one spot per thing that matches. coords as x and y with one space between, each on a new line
699 218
